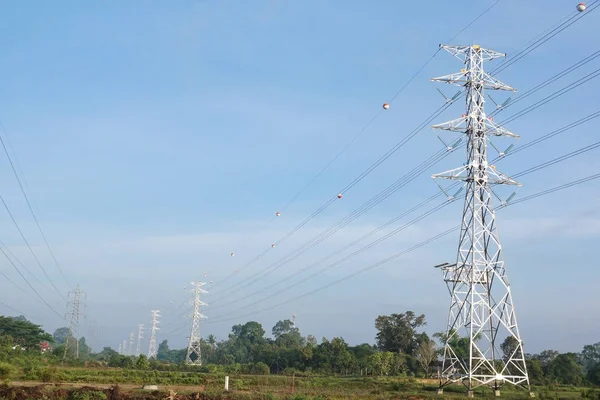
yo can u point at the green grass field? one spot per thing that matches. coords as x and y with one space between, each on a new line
66 383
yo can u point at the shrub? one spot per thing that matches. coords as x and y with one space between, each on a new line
7 371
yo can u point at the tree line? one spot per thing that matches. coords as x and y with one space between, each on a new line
401 348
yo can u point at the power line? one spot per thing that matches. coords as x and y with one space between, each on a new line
30 207
13 309
29 247
299 193
29 284
400 183
395 231
404 252
553 32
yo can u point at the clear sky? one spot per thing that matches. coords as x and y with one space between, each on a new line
155 138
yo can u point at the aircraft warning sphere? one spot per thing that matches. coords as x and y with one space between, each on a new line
386 106
278 213
232 254
273 245
339 196
581 7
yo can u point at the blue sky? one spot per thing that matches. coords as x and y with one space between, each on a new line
155 139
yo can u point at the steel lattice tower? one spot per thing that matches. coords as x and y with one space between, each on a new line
139 340
481 306
152 349
124 347
194 356
131 338
72 340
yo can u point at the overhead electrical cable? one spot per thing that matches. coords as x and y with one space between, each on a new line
436 157
14 170
403 227
397 255
538 42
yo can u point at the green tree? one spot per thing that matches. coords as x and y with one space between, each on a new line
565 369
23 333
510 347
142 362
397 332
425 354
535 371
61 334
163 351
590 356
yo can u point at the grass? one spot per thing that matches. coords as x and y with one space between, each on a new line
264 387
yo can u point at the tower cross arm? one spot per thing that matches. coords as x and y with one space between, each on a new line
462 78
462 52
460 125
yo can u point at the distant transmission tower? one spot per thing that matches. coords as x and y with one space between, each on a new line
120 349
124 348
194 356
481 306
131 337
72 341
139 340
152 349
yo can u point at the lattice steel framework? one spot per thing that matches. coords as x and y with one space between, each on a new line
152 349
194 354
482 313
72 341
131 339
139 339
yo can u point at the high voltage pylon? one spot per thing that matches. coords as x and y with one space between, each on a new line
124 348
481 306
130 350
194 355
152 349
139 339
72 341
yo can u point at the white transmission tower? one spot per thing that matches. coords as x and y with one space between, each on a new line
131 338
72 341
139 340
120 349
124 347
152 349
194 356
481 306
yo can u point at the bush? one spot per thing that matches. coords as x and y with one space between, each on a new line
7 371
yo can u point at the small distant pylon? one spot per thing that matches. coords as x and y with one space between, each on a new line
139 339
72 341
120 348
194 355
131 337
124 348
152 349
